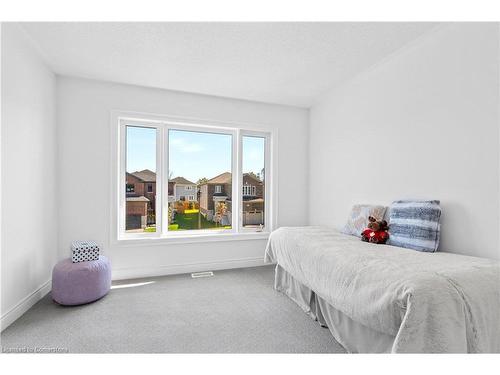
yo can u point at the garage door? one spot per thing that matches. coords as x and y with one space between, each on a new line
133 222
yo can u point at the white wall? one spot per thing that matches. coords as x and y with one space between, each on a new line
84 108
29 180
421 124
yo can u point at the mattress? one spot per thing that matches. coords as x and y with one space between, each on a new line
408 300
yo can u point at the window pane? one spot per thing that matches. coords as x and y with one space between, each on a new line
200 180
140 180
253 162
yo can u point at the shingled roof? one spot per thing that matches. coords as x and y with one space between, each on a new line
182 181
137 199
224 178
145 175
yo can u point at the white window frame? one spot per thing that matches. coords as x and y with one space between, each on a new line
269 199
162 124
218 189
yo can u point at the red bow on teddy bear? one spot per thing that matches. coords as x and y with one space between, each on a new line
377 231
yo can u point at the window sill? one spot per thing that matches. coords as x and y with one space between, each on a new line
191 238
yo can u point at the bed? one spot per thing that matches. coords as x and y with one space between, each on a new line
380 298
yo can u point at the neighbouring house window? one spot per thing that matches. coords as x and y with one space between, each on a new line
249 190
140 212
204 175
253 172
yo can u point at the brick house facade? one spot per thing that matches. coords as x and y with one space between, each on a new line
140 191
219 189
142 183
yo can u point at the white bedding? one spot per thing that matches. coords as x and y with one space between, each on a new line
431 302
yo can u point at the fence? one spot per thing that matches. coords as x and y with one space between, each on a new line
253 217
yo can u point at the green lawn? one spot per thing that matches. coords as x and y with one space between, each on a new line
187 221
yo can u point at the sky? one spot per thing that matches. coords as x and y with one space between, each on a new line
192 155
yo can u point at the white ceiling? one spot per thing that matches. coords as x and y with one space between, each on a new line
285 63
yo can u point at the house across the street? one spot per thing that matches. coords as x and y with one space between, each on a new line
219 190
184 190
141 196
140 191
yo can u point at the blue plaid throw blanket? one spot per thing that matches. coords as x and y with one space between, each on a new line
415 225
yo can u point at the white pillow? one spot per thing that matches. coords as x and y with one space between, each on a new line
358 219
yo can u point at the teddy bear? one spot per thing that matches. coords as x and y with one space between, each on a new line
376 232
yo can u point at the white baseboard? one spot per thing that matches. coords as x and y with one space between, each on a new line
141 272
26 303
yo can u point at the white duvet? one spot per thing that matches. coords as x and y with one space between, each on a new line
430 302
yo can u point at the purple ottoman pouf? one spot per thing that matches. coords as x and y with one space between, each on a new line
79 283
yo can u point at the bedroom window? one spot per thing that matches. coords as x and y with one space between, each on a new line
140 165
253 177
204 156
206 180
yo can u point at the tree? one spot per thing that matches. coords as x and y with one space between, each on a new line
220 211
170 214
202 181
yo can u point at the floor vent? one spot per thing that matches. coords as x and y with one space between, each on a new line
202 274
